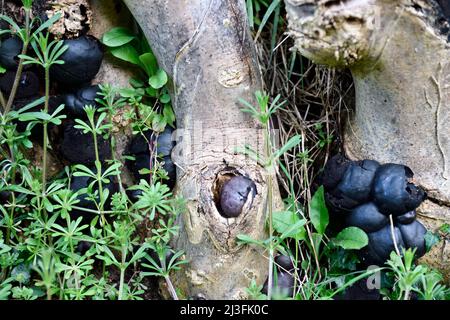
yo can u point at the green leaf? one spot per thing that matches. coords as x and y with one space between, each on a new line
159 79
169 116
159 123
127 53
351 238
165 98
28 116
2 70
431 239
289 224
149 63
117 37
318 211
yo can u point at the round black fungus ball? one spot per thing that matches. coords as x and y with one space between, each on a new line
164 143
413 235
406 218
392 191
82 60
10 48
4 196
83 247
141 150
78 147
283 285
381 245
75 102
354 187
78 183
284 263
367 217
234 194
356 183
28 84
334 171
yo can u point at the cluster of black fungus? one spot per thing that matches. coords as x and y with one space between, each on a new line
365 193
145 148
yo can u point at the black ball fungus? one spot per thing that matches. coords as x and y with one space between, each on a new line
354 186
10 48
381 245
78 147
334 171
284 263
413 235
367 217
142 149
357 181
234 194
28 84
75 102
406 218
392 191
82 61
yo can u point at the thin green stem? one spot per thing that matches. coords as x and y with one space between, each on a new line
20 67
122 273
45 141
171 288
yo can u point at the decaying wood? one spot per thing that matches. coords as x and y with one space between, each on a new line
205 47
399 55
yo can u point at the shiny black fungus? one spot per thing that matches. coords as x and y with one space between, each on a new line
82 61
406 218
393 192
10 48
381 245
75 102
282 286
78 147
356 183
284 263
413 235
334 171
78 183
367 217
355 186
28 84
4 196
142 149
235 193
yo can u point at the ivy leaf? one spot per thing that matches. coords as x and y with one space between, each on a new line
158 80
318 211
117 37
351 238
127 53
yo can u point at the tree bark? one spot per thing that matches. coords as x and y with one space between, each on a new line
206 48
398 53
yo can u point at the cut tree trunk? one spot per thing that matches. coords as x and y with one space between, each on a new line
207 50
399 55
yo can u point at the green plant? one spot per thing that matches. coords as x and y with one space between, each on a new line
409 278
